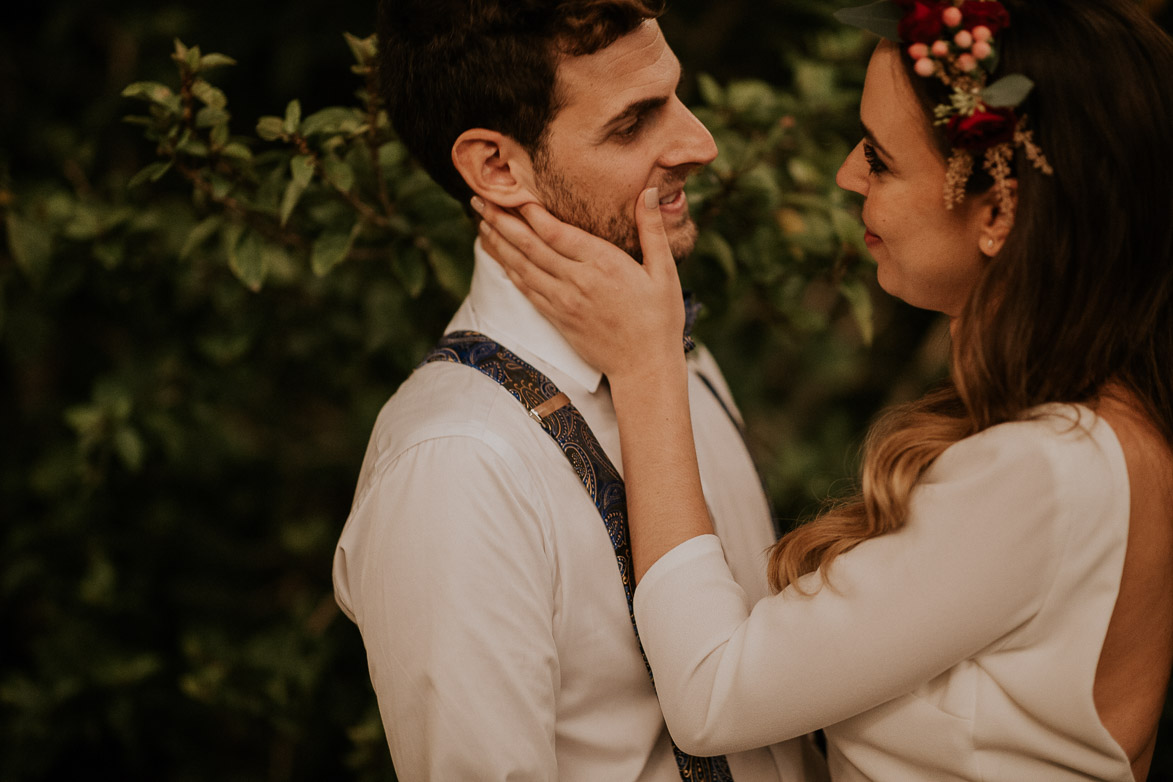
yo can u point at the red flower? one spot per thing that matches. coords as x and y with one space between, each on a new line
990 13
983 129
922 23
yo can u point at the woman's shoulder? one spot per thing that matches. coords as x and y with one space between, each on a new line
1067 449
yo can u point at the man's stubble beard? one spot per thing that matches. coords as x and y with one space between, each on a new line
563 203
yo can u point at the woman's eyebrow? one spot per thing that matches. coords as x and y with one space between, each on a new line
870 136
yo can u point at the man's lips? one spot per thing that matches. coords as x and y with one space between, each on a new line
674 201
870 239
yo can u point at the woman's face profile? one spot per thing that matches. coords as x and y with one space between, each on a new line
927 255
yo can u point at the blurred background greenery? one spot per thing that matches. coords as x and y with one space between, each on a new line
190 366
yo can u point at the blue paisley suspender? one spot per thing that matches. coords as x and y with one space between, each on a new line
553 410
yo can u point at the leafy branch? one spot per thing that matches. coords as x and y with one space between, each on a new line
338 186
318 187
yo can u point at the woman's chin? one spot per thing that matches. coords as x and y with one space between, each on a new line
897 288
889 281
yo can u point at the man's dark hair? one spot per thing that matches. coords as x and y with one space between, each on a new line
446 66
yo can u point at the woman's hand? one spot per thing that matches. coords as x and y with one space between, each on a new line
627 320
623 318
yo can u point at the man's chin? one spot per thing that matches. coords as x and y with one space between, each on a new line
682 241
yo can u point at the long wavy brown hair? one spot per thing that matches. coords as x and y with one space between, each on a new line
1080 298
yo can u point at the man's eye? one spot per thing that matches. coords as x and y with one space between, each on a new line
629 130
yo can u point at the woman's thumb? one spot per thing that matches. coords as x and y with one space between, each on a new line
653 239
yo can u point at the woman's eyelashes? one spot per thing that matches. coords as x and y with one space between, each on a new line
875 165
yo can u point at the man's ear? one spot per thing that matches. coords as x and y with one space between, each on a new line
997 216
495 167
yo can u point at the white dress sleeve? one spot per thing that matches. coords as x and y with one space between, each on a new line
975 561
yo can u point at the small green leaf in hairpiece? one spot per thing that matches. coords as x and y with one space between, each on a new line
1007 92
882 18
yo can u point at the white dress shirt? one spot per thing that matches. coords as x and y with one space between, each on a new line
961 647
484 583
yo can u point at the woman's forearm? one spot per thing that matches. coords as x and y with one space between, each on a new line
665 503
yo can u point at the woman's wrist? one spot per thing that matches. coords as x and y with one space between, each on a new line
650 380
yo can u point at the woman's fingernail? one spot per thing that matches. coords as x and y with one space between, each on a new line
478 205
485 228
651 198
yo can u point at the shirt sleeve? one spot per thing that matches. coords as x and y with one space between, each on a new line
974 563
448 581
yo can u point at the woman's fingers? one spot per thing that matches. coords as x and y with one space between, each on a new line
530 278
568 240
499 248
543 255
653 237
521 236
664 315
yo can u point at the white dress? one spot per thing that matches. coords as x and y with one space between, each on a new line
962 647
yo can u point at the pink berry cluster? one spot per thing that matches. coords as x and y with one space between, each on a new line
974 46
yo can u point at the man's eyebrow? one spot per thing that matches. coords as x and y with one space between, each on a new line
634 109
870 136
640 107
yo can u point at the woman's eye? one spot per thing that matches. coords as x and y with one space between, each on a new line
875 165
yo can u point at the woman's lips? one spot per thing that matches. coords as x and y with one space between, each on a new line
870 239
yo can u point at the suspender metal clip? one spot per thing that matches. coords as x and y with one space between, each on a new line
554 403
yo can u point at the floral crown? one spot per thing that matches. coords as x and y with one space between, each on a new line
955 41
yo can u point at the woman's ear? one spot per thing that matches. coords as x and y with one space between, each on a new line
997 214
495 167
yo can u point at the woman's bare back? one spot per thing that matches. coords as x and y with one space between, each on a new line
1135 663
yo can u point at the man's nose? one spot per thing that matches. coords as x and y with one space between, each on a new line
689 141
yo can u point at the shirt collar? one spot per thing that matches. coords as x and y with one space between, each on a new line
501 310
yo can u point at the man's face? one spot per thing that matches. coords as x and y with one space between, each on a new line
621 130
